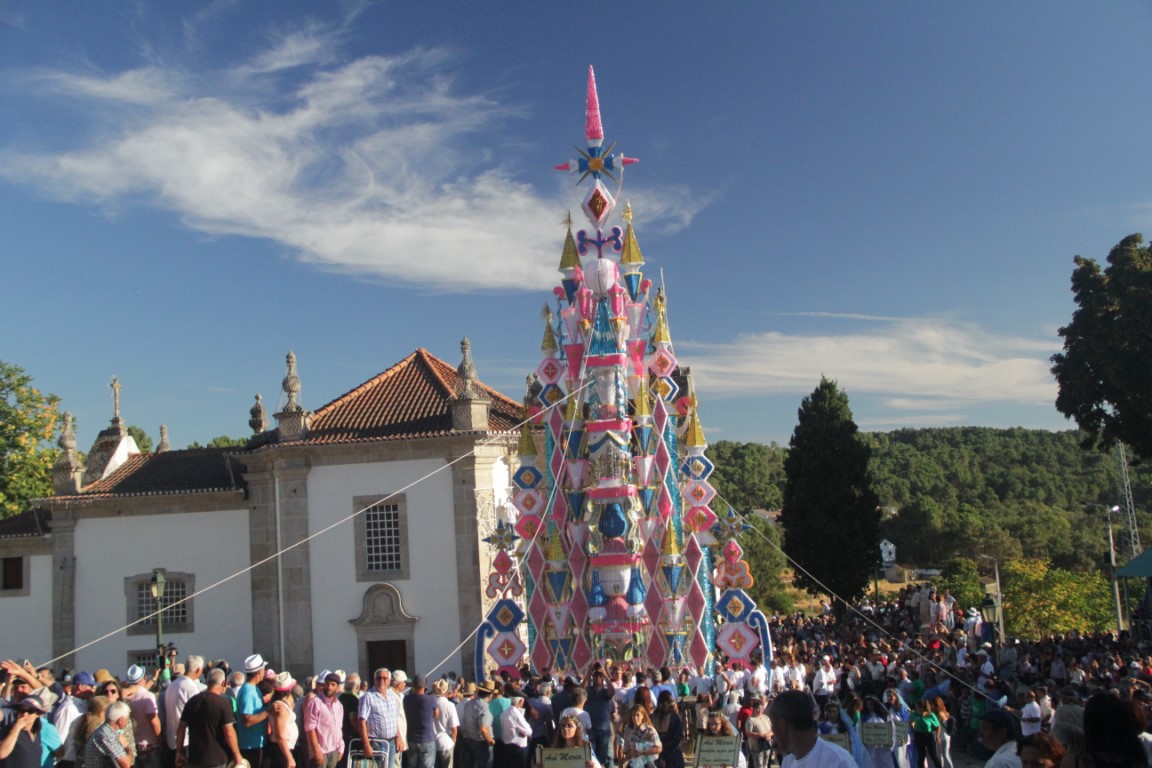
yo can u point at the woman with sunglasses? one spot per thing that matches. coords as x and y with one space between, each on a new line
570 735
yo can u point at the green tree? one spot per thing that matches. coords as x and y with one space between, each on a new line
960 577
1040 599
143 442
1104 370
221 441
28 421
831 515
748 476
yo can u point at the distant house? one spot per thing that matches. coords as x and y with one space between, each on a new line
887 553
900 574
379 501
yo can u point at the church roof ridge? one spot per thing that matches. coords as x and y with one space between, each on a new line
408 399
188 470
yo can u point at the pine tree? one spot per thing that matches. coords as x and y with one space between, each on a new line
831 515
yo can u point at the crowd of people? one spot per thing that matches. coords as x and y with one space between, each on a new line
917 670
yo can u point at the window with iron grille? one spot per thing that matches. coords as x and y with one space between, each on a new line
177 616
381 538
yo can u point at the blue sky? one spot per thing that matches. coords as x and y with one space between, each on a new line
889 194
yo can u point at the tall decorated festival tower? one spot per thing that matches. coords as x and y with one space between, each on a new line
616 553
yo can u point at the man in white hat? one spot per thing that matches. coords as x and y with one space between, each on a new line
145 717
251 717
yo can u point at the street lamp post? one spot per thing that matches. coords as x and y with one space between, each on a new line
159 579
1112 562
1108 512
989 612
998 619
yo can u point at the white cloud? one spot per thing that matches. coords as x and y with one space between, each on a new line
368 166
916 364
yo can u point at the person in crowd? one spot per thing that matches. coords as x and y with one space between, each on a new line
107 747
476 729
1040 750
541 716
206 731
322 718
758 735
71 712
639 742
176 697
570 735
378 719
1111 736
420 712
998 734
447 722
599 707
283 729
670 727
925 724
794 728
145 717
515 732
22 737
717 725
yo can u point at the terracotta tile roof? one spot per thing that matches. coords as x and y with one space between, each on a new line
197 470
410 399
33 522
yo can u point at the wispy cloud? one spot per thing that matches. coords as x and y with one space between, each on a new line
365 165
911 364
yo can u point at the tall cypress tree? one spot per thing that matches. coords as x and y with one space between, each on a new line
831 515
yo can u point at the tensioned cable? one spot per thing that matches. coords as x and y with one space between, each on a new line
306 539
276 555
868 619
523 561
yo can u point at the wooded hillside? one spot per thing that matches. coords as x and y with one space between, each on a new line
967 491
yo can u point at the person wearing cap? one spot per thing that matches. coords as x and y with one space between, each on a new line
22 738
795 730
104 748
824 682
420 712
447 723
998 734
476 729
322 717
378 718
68 715
206 731
283 730
145 717
251 715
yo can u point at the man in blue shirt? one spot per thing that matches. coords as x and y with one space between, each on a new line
251 717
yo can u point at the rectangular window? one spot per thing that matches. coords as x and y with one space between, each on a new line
13 574
381 530
146 606
141 606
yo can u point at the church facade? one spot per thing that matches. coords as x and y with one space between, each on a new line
347 537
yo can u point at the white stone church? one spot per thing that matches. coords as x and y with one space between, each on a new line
378 501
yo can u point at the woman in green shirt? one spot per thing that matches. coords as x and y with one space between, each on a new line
924 726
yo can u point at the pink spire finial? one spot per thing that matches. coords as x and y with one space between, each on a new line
593 129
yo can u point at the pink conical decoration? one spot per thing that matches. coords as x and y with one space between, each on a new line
593 130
